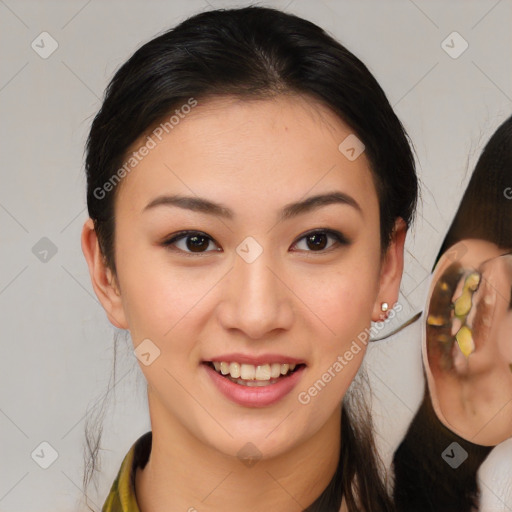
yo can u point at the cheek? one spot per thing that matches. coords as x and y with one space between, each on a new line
343 304
347 308
346 296
157 295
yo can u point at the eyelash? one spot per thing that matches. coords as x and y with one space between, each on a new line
339 238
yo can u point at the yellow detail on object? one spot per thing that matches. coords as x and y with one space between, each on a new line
472 281
464 338
436 320
463 303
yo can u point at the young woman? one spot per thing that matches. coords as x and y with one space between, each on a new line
466 346
249 189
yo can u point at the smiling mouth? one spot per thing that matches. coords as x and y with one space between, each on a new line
252 375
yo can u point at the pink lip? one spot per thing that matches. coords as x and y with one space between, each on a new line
254 396
256 360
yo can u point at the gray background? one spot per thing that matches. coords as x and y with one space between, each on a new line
57 345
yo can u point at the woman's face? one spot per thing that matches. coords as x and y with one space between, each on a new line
250 283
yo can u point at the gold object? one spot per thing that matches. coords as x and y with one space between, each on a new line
472 281
464 338
436 320
462 305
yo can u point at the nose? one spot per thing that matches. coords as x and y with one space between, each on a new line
256 298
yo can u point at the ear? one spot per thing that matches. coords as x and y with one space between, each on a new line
391 271
103 280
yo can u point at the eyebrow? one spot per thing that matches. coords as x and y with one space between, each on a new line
199 204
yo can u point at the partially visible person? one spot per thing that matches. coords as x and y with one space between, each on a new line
467 349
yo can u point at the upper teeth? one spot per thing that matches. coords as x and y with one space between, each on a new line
251 372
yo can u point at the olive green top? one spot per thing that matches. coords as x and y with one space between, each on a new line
122 493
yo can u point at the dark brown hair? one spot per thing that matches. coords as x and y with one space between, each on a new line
485 211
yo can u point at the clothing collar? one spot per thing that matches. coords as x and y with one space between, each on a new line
122 493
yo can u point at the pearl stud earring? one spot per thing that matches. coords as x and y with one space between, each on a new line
384 306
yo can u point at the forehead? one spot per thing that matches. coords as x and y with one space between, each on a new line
253 151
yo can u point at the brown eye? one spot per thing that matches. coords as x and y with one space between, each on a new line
317 241
191 242
197 243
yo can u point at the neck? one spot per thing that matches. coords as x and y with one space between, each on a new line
184 474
